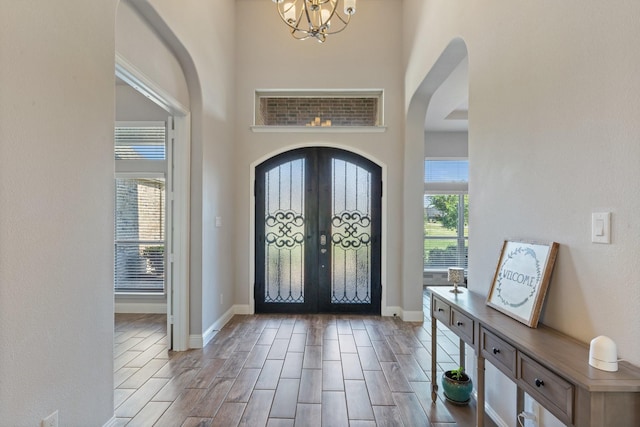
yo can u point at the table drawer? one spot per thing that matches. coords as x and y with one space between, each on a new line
498 352
441 310
463 326
552 391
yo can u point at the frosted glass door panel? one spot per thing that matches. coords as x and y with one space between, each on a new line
284 233
350 234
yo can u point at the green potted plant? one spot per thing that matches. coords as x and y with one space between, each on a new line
457 386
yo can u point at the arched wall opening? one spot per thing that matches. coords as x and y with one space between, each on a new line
414 155
143 42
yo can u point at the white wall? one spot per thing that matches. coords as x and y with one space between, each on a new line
56 215
552 138
269 58
133 106
446 144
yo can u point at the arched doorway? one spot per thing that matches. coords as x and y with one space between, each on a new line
318 227
414 176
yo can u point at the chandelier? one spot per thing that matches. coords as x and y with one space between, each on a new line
315 18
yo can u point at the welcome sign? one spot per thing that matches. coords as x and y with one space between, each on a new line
521 279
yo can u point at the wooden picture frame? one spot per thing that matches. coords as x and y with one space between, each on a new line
521 280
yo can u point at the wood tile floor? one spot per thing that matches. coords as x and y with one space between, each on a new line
284 370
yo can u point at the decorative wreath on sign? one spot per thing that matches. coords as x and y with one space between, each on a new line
521 279
528 282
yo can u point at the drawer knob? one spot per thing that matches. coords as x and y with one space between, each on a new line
496 350
459 323
539 382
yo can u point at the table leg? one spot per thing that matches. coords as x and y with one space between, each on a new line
480 388
519 402
434 357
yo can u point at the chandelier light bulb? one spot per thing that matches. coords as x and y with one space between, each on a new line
349 7
290 12
325 14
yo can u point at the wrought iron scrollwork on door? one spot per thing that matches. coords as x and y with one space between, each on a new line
285 229
284 237
351 230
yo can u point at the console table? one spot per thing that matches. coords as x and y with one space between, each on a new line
551 367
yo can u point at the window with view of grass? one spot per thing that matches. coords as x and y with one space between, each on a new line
446 214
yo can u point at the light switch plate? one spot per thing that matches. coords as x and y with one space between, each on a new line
601 227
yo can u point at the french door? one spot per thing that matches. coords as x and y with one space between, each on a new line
318 233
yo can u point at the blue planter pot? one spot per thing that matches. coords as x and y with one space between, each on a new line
457 392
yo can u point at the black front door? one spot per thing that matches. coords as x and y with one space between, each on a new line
318 233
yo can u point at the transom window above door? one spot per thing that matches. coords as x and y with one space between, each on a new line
317 110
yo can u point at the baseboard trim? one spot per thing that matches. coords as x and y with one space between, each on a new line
405 315
243 309
209 334
199 341
391 311
412 316
141 307
111 423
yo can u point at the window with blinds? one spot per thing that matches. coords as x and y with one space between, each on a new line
140 157
140 142
139 234
441 171
446 214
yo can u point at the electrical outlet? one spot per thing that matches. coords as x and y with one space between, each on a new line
50 421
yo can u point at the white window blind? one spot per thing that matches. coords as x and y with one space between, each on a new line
139 234
446 170
446 176
140 142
